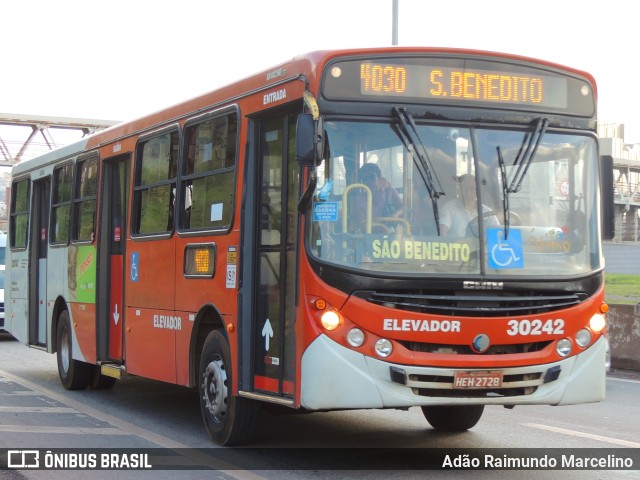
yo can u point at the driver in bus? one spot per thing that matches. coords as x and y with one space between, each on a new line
460 215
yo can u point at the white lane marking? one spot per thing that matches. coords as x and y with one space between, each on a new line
37 410
233 471
18 394
65 430
575 433
627 380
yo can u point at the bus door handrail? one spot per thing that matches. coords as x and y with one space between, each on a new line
345 212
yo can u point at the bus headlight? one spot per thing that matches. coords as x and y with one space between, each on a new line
563 347
383 347
330 320
355 337
583 338
597 323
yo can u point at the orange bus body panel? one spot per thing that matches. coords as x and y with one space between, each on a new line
150 351
84 322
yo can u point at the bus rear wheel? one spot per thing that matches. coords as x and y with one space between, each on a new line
228 419
99 381
74 374
453 418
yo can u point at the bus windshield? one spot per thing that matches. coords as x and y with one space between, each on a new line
409 198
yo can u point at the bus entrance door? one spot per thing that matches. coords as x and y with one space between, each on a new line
274 185
38 264
110 308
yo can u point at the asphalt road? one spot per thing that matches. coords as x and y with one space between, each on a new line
139 414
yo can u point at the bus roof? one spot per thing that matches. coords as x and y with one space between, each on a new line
301 66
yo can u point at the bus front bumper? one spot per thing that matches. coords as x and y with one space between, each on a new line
336 377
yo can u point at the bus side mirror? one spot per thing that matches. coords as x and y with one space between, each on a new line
607 203
309 140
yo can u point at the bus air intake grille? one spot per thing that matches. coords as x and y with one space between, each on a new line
507 349
474 304
442 386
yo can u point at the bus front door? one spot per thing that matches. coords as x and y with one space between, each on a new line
111 245
270 251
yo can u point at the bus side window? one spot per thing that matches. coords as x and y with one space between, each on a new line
85 199
61 204
208 178
19 214
154 190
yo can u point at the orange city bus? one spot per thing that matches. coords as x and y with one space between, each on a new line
237 243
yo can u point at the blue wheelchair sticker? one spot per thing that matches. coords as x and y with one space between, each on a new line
504 253
133 273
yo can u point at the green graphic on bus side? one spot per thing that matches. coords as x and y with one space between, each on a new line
86 274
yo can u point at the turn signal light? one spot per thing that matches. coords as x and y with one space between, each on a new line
319 304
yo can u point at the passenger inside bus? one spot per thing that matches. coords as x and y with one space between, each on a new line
385 200
459 217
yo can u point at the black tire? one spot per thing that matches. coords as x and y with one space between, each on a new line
454 418
99 381
229 420
74 374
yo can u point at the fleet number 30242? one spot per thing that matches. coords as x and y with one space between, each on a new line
536 327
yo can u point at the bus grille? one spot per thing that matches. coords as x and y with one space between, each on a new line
442 386
474 304
466 349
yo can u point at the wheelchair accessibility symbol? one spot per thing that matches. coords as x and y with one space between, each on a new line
135 260
504 253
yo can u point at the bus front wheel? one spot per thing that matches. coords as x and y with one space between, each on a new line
453 418
228 419
74 374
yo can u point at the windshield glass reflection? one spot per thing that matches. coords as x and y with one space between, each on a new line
380 205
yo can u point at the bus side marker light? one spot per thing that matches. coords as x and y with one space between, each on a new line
583 338
355 337
230 328
383 347
597 323
331 320
563 347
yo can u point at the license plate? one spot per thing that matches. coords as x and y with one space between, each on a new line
477 380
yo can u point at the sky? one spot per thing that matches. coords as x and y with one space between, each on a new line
121 59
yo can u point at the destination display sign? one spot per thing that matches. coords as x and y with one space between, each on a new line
459 81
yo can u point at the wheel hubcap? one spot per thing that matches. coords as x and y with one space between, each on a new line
215 389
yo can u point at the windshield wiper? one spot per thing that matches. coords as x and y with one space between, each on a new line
408 133
505 192
524 158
